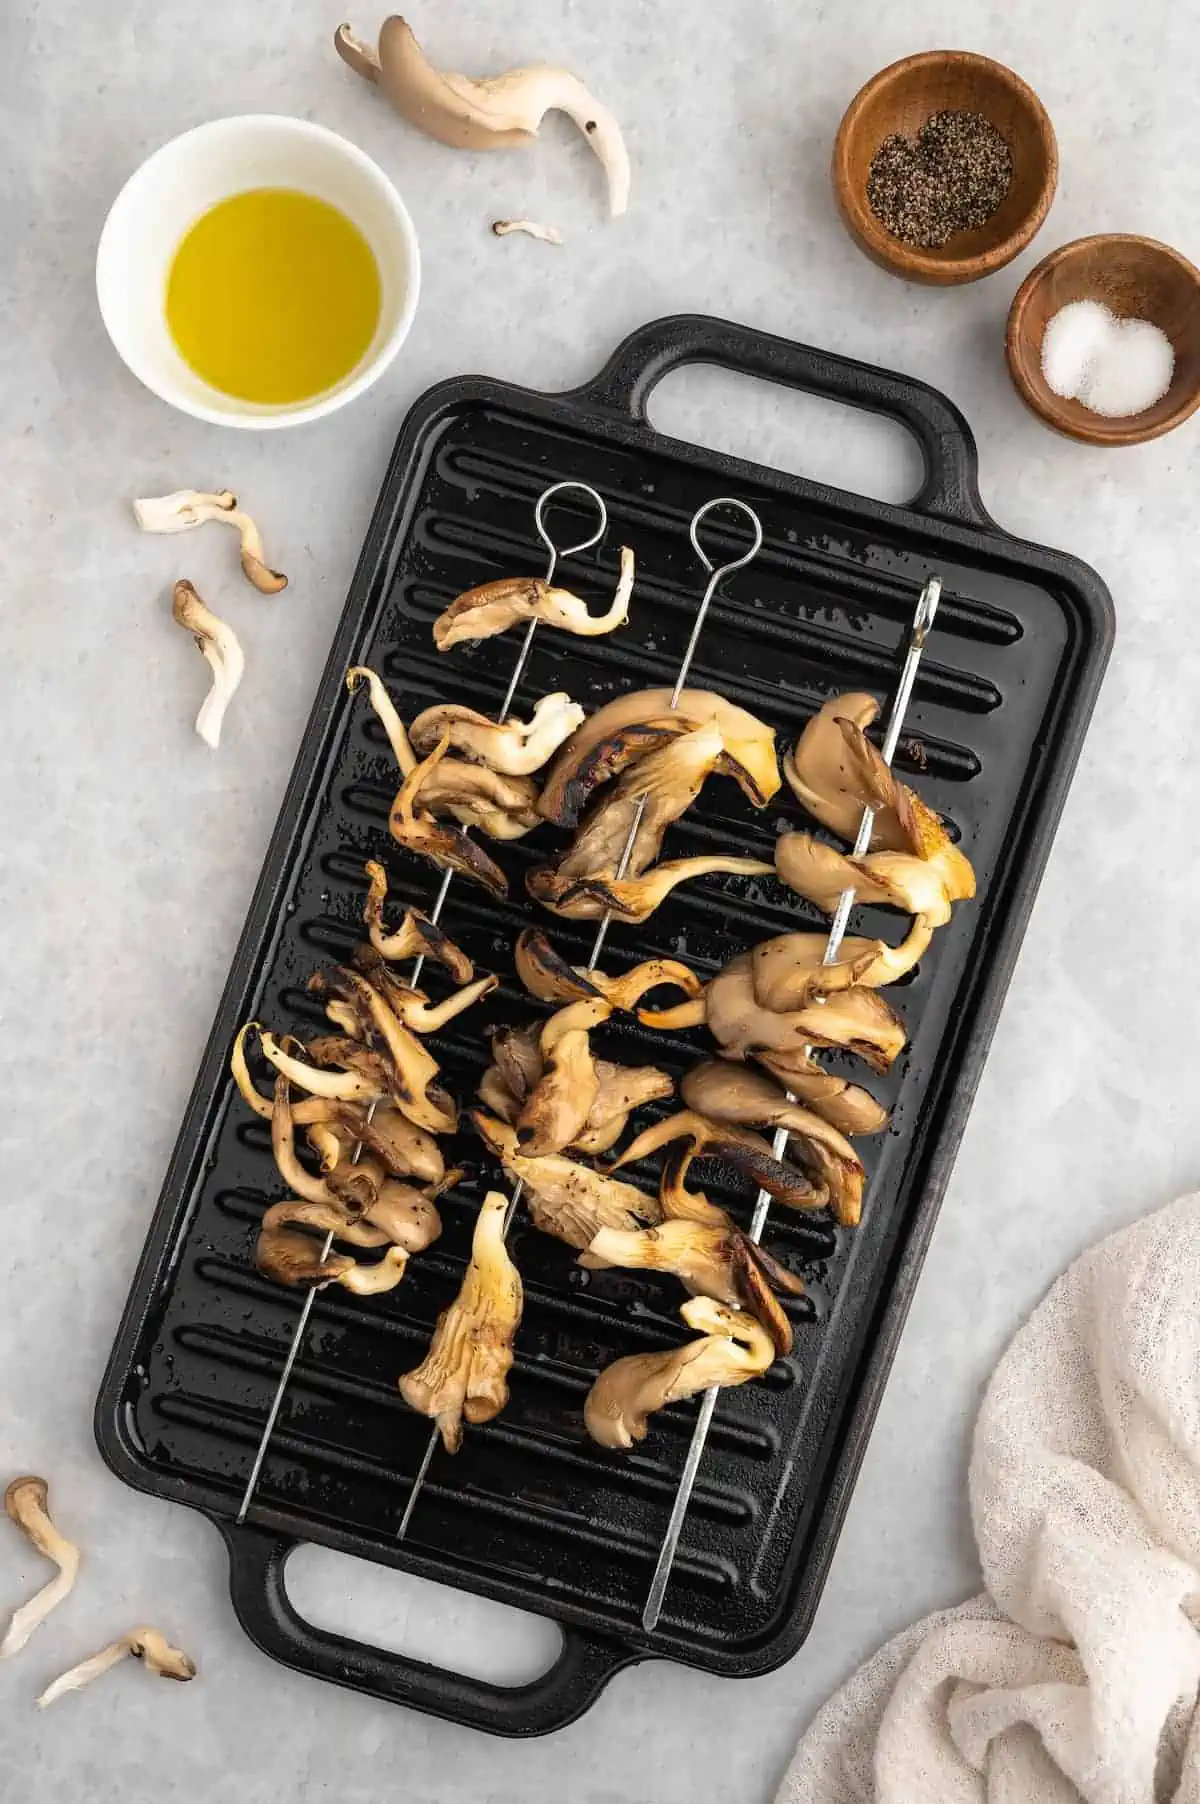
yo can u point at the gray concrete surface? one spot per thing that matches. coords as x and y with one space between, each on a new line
128 853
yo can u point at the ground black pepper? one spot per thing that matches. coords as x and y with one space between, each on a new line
952 176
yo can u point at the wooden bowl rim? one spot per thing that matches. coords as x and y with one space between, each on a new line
1104 432
910 260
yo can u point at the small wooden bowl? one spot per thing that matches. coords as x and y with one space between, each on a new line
1137 278
900 99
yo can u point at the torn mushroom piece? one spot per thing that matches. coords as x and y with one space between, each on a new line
749 1099
465 1372
638 723
729 1092
493 607
790 970
500 806
548 976
746 1152
923 886
564 1198
734 1348
517 748
410 1005
222 652
385 709
311 1110
636 899
557 1108
416 937
446 846
27 1502
188 508
517 1069
710 1259
493 113
145 1644
412 1067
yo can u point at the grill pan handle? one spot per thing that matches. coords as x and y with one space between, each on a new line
950 489
256 1582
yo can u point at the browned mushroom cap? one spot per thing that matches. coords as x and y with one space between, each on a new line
327 1218
844 1105
634 723
620 1089
404 1149
448 847
146 1645
548 976
416 936
730 1092
734 1348
294 1259
750 1099
652 794
502 807
566 1199
748 1153
789 971
465 1372
338 1054
559 1104
710 1259
412 1007
406 1214
27 1502
334 1085
637 899
494 607
921 886
857 1020
413 1068
516 747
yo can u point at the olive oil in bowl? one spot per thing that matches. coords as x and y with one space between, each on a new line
273 296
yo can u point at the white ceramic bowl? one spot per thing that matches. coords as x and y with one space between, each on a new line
163 199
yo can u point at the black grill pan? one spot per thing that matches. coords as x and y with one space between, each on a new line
530 1512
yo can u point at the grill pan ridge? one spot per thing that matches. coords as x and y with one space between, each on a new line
530 1512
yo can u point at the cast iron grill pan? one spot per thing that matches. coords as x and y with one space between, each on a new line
531 1512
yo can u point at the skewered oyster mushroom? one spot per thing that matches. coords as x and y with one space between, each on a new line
548 976
636 899
465 1372
494 607
517 748
416 937
746 1152
733 1348
564 1198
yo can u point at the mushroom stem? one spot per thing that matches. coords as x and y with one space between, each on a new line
416 936
222 652
188 508
389 720
145 1644
26 1501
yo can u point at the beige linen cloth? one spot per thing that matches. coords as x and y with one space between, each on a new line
1075 1673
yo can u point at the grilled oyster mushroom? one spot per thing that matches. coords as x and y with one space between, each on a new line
789 970
857 1020
517 1069
733 1348
560 1102
926 887
548 976
494 607
27 1503
637 898
748 1154
411 1007
310 1110
635 723
502 807
749 1099
328 1082
326 1218
404 1149
518 748
416 936
412 1068
564 1198
465 1372
652 794
389 719
294 1259
447 847
729 1092
620 1089
710 1259
283 1146
148 1646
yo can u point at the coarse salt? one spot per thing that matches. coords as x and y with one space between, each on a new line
1116 367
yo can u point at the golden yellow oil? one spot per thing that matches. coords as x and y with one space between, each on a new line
273 296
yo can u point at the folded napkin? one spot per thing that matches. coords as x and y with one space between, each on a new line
1075 1673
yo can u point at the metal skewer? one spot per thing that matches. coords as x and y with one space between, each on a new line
922 621
716 574
435 915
